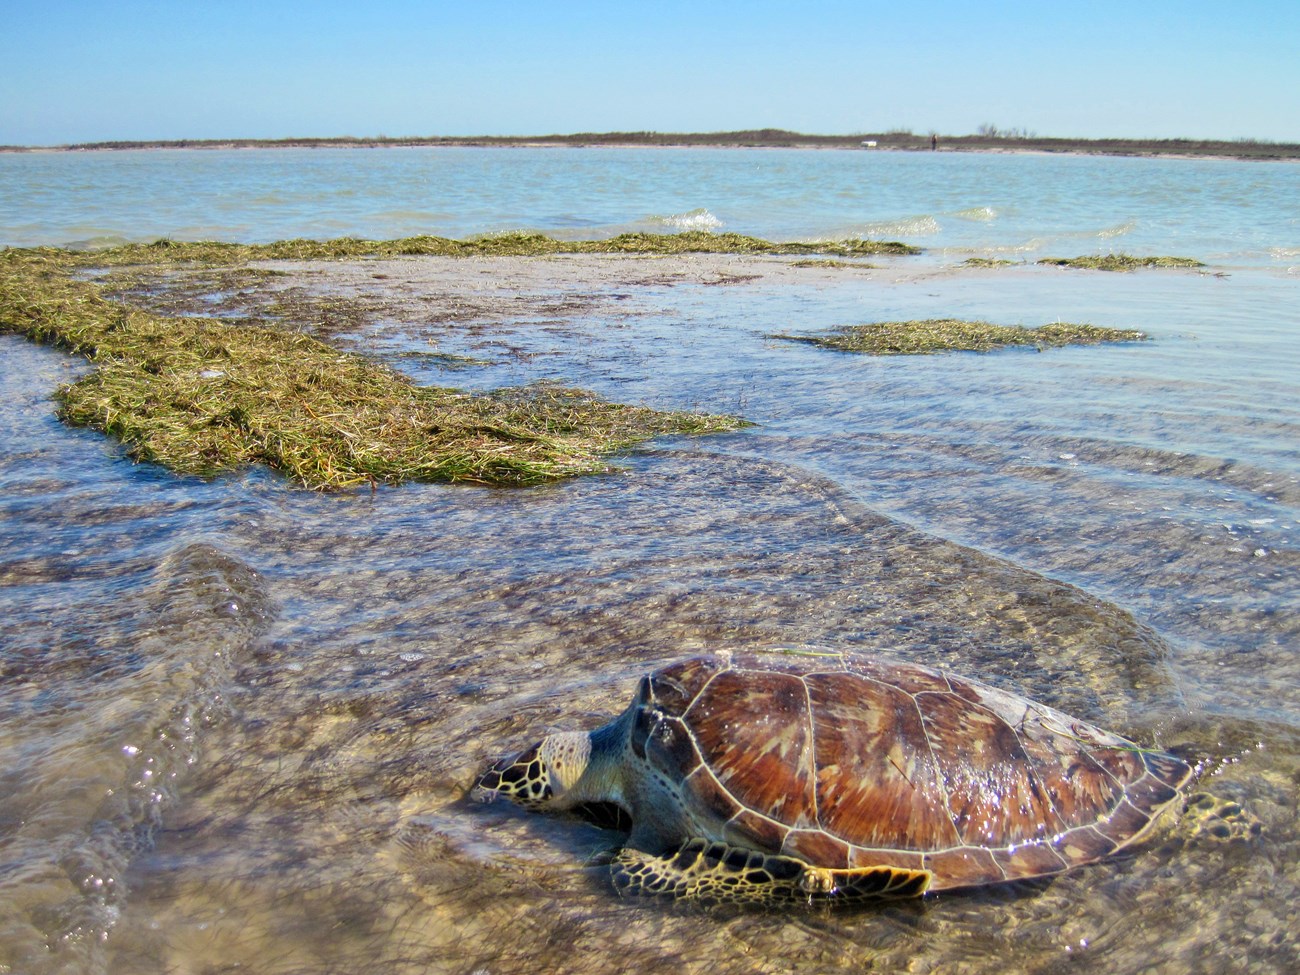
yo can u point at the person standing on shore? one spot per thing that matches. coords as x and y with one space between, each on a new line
934 141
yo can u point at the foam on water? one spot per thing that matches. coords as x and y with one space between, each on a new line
904 228
698 219
1117 230
977 214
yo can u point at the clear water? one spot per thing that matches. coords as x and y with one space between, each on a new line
237 719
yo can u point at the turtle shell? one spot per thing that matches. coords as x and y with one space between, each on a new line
844 762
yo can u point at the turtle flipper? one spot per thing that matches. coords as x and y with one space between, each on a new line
866 883
717 873
1206 816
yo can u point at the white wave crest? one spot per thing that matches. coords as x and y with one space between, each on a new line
1119 230
979 214
905 227
698 219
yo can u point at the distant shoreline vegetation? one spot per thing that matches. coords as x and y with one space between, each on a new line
988 139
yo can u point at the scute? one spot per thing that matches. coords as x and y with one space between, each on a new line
878 783
817 846
995 790
753 731
672 689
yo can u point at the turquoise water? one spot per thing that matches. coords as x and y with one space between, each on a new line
1015 205
237 719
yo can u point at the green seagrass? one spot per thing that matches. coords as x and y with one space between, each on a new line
928 336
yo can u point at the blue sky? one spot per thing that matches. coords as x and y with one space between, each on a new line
75 71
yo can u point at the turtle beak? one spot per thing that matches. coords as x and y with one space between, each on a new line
488 786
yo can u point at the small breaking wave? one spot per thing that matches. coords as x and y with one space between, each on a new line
920 226
697 219
977 214
1119 230
1059 237
98 242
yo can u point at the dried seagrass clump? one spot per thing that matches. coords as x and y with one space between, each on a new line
202 396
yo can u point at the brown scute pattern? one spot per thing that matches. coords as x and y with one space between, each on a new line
859 857
967 691
1012 709
995 791
707 799
908 678
965 867
753 729
1035 860
1121 764
1147 793
1124 823
792 665
672 689
1078 787
670 747
911 768
817 847
748 829
1083 845
877 782
1173 772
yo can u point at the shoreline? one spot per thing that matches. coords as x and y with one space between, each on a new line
762 139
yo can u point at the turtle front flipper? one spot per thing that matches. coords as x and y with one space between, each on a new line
710 872
714 872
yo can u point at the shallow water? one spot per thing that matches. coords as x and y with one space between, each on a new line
238 719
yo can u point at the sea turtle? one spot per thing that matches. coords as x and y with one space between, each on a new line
777 776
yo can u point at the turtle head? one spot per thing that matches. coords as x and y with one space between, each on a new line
540 777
